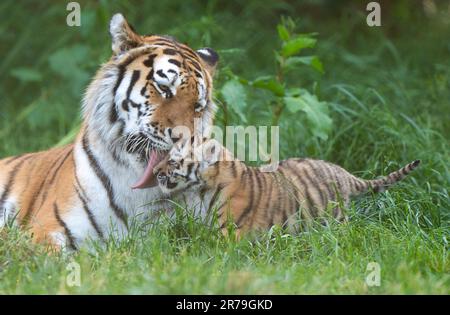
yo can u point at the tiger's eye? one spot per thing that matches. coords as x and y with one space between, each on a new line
173 163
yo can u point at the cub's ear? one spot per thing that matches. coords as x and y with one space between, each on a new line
211 152
210 59
123 35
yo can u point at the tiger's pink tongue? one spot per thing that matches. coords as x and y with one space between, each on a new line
148 179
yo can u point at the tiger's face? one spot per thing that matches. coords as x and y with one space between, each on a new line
153 91
160 91
183 167
179 170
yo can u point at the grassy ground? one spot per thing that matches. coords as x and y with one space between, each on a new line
389 96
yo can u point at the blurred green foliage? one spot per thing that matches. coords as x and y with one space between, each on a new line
284 94
46 64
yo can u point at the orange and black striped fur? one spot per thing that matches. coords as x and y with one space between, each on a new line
300 190
150 86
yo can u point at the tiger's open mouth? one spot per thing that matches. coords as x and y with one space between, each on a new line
143 146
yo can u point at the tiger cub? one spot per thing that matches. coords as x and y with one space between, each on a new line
300 190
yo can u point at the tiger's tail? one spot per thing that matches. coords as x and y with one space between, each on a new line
381 184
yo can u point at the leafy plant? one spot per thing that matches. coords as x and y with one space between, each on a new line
285 95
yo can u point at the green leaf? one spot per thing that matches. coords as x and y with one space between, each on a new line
234 94
67 60
283 33
26 74
312 61
295 91
269 83
70 63
294 46
38 114
318 120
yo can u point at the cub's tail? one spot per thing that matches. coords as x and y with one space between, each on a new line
380 184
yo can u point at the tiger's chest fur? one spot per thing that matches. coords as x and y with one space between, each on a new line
67 195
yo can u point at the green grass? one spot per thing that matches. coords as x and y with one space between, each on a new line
390 104
186 257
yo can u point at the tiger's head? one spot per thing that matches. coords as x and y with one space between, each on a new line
151 87
183 167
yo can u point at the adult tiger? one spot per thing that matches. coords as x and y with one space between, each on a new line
151 85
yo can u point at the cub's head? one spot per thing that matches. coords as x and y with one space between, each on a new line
182 168
151 86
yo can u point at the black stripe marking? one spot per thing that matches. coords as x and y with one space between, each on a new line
144 89
269 196
10 181
328 177
12 159
51 179
196 65
233 169
189 54
175 62
215 196
334 185
134 77
150 75
169 51
316 186
284 217
66 229
89 214
113 116
55 173
258 195
339 186
125 106
164 42
83 192
104 180
309 199
249 207
149 61
280 207
161 74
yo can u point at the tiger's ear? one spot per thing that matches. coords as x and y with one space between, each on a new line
210 59
123 35
211 152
